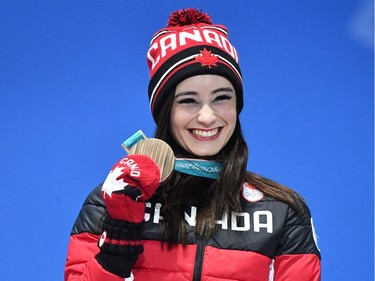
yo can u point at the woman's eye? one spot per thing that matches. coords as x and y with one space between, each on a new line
187 101
223 97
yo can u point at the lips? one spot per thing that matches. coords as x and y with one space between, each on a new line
205 134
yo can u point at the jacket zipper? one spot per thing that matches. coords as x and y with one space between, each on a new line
199 260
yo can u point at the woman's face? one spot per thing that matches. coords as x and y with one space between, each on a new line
203 115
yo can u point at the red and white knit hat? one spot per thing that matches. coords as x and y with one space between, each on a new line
190 45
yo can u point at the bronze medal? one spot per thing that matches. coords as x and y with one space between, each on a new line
157 150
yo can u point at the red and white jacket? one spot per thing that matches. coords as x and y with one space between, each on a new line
266 241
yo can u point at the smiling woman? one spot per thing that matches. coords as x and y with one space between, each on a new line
211 219
203 114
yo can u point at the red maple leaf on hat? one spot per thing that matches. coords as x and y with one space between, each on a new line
207 58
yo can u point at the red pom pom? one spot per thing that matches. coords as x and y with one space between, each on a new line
187 17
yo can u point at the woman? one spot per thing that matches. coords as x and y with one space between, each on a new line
211 219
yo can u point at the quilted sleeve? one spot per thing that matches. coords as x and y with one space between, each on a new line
83 245
297 256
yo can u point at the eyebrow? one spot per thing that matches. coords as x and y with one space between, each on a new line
224 89
193 93
187 93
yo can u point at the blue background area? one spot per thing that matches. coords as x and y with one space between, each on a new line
73 86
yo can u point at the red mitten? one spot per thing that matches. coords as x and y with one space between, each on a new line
131 181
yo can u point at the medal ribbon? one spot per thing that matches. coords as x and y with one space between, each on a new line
199 168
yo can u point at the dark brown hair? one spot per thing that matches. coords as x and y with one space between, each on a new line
212 198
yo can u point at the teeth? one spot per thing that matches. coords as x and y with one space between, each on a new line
205 134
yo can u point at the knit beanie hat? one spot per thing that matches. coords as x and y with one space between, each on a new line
190 45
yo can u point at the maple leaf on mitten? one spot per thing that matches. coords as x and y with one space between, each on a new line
132 180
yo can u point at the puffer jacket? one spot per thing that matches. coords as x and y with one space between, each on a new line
266 241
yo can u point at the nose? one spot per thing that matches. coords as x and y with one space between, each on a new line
206 115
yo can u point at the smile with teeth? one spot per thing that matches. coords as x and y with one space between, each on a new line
205 133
